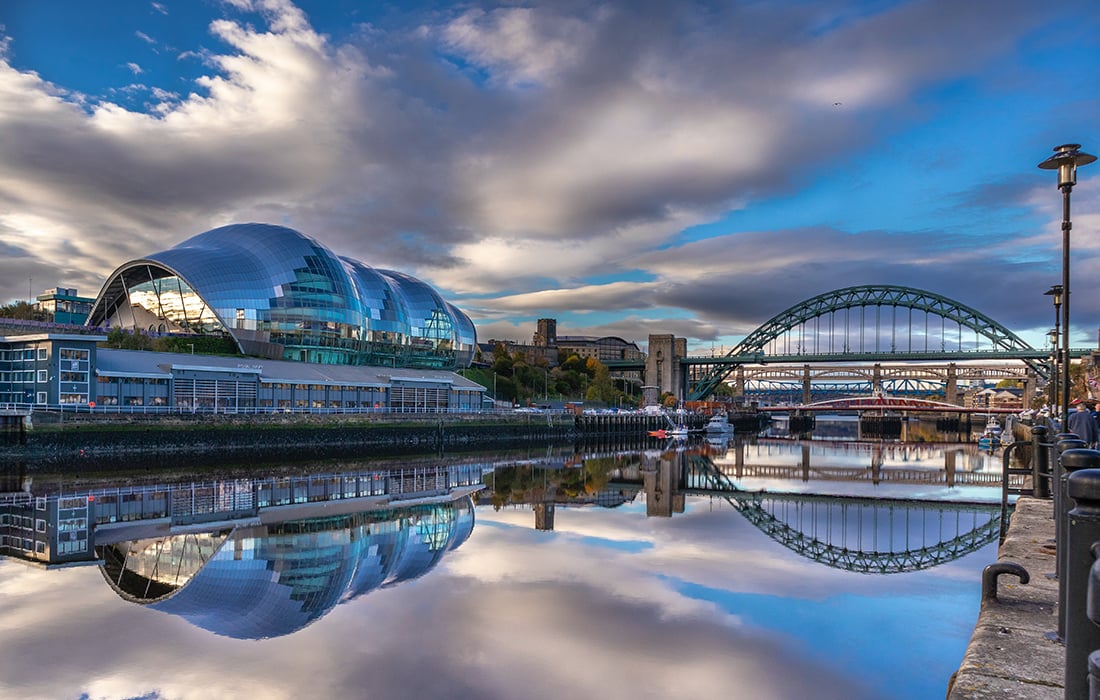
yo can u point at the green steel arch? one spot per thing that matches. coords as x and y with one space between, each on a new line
870 295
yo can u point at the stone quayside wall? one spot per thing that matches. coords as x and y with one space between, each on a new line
54 439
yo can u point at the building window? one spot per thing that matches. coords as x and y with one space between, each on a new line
43 376
43 354
40 525
40 397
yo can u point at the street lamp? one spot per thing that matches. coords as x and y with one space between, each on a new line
1065 160
1053 333
1055 293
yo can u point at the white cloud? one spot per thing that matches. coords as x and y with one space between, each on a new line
519 157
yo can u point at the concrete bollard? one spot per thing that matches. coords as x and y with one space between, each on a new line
1083 530
1040 463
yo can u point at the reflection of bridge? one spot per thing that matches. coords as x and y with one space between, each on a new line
870 324
865 535
862 535
889 403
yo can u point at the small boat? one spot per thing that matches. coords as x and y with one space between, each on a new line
677 432
989 441
992 426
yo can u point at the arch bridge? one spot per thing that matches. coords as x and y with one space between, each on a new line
885 328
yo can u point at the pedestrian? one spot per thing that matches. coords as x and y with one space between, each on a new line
1082 424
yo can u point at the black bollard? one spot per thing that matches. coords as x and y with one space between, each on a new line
1072 459
1066 441
1094 675
1040 463
1081 634
992 572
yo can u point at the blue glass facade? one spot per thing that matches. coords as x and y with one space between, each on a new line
282 295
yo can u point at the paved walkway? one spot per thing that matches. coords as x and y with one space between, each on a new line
1009 656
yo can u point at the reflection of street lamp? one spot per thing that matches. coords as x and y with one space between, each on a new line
1065 160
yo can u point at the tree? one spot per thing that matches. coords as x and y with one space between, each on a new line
601 388
23 311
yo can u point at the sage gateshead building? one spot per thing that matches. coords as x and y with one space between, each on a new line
315 331
282 295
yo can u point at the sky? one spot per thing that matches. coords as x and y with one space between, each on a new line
627 167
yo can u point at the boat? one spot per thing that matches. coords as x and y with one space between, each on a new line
989 441
990 438
718 423
676 429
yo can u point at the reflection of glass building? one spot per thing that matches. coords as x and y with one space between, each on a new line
247 557
271 580
282 295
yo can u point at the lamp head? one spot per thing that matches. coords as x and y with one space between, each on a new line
1056 292
1065 160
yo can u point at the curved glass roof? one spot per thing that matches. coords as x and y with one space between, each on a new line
269 581
283 295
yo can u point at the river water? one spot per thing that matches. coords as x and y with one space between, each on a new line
759 568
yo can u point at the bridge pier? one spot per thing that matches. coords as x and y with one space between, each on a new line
951 392
807 397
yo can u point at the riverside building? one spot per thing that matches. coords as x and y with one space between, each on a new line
316 332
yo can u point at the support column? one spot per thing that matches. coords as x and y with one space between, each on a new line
876 379
739 386
806 395
951 392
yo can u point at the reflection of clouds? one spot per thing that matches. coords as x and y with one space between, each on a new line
709 545
514 612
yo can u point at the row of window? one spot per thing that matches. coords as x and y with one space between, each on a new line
24 355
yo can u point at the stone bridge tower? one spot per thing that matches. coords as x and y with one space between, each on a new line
662 365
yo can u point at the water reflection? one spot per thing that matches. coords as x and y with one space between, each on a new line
673 592
867 535
248 557
269 580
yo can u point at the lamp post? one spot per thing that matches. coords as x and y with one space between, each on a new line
1055 293
1053 333
1065 160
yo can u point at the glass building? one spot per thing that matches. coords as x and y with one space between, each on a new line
282 295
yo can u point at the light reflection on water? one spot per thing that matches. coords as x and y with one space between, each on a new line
620 581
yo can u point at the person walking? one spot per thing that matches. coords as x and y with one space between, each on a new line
1082 424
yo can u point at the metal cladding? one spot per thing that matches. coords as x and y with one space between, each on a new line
283 295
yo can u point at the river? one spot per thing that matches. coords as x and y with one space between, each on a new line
759 568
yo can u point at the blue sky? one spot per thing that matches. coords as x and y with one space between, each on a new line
625 167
